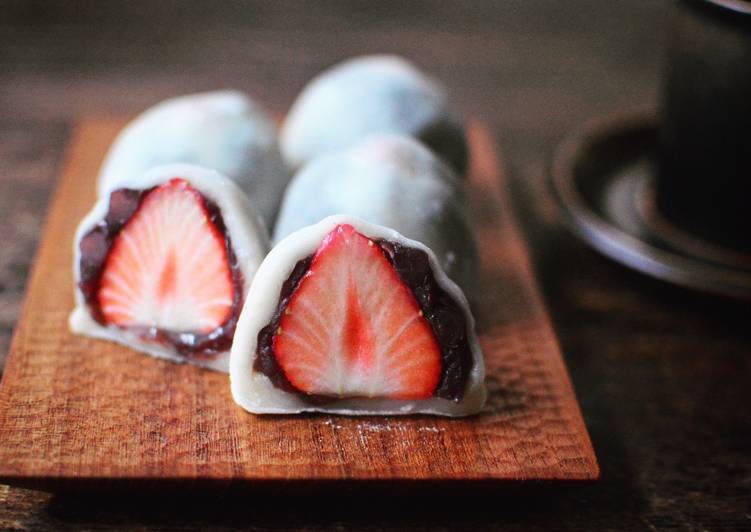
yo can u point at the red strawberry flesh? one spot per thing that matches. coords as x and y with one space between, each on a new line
352 328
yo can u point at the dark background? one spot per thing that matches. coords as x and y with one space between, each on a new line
662 374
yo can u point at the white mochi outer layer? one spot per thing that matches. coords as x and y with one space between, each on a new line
245 228
224 130
369 95
389 180
255 392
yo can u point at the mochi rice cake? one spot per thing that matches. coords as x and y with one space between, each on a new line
349 317
372 95
223 130
163 262
394 181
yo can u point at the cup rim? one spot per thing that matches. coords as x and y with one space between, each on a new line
738 6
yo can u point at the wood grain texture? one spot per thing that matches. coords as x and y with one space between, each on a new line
75 410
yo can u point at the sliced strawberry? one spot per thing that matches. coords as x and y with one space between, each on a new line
352 328
168 267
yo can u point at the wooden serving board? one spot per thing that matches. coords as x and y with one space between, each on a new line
82 412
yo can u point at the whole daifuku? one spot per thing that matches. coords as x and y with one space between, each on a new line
370 95
223 130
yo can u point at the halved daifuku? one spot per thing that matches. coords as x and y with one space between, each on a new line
163 263
348 317
369 95
389 180
223 130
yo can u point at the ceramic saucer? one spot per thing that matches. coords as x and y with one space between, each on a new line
603 180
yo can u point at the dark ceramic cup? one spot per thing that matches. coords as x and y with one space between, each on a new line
704 163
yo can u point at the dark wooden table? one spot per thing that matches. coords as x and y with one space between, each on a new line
663 374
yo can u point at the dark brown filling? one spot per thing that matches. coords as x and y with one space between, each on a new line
444 315
95 247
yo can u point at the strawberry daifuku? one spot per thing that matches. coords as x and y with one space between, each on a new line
163 264
353 318
224 130
389 180
372 95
